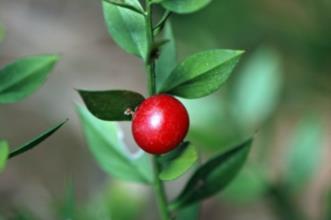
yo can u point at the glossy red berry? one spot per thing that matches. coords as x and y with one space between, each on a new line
160 123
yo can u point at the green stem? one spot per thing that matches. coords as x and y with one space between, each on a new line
160 192
150 64
150 68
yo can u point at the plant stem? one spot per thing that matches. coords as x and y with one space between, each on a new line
150 68
159 191
150 64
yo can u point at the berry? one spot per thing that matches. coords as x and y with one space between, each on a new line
160 124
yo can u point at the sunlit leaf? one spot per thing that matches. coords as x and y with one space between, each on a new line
184 6
106 144
180 164
22 77
201 74
127 27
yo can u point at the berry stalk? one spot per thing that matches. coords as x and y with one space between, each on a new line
159 190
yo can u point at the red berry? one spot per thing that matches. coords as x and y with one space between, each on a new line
160 123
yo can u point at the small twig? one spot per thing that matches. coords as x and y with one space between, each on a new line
127 6
159 26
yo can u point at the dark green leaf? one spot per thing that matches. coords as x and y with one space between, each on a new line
106 144
167 60
35 141
305 153
4 151
188 213
180 164
24 76
127 27
184 6
113 105
213 176
201 74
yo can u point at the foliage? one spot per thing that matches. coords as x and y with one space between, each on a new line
18 80
201 74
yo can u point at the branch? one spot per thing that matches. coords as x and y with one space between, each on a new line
159 27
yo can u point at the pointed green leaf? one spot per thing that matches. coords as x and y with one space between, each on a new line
4 151
35 141
201 74
213 176
112 105
179 165
305 153
184 6
105 142
167 61
24 76
127 27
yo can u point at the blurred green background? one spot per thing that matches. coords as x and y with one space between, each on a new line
280 93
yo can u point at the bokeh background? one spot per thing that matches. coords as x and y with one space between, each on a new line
280 92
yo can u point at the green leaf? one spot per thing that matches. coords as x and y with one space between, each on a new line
24 76
213 176
188 213
122 4
105 142
113 105
127 27
201 74
258 88
305 153
178 166
184 6
4 151
167 60
35 141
